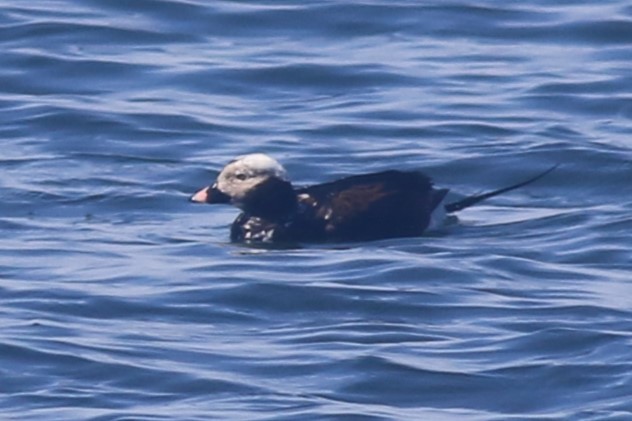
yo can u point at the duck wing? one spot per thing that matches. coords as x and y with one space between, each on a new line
373 206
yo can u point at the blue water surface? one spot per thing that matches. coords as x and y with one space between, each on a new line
121 300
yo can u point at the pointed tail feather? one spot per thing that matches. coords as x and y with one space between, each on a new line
472 200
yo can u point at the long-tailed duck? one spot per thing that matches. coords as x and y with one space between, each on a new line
372 206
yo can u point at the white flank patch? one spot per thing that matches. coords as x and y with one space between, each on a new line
437 217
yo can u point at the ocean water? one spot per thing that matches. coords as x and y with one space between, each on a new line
120 300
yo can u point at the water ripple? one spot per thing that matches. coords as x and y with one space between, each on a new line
121 300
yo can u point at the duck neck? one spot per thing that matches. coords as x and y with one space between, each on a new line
273 199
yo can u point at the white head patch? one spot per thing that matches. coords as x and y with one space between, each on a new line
245 172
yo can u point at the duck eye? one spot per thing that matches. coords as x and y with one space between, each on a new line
240 176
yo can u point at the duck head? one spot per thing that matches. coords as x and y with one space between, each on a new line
255 183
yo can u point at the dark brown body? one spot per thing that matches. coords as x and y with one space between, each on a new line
365 207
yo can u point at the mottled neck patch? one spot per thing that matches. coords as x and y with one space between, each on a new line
273 199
